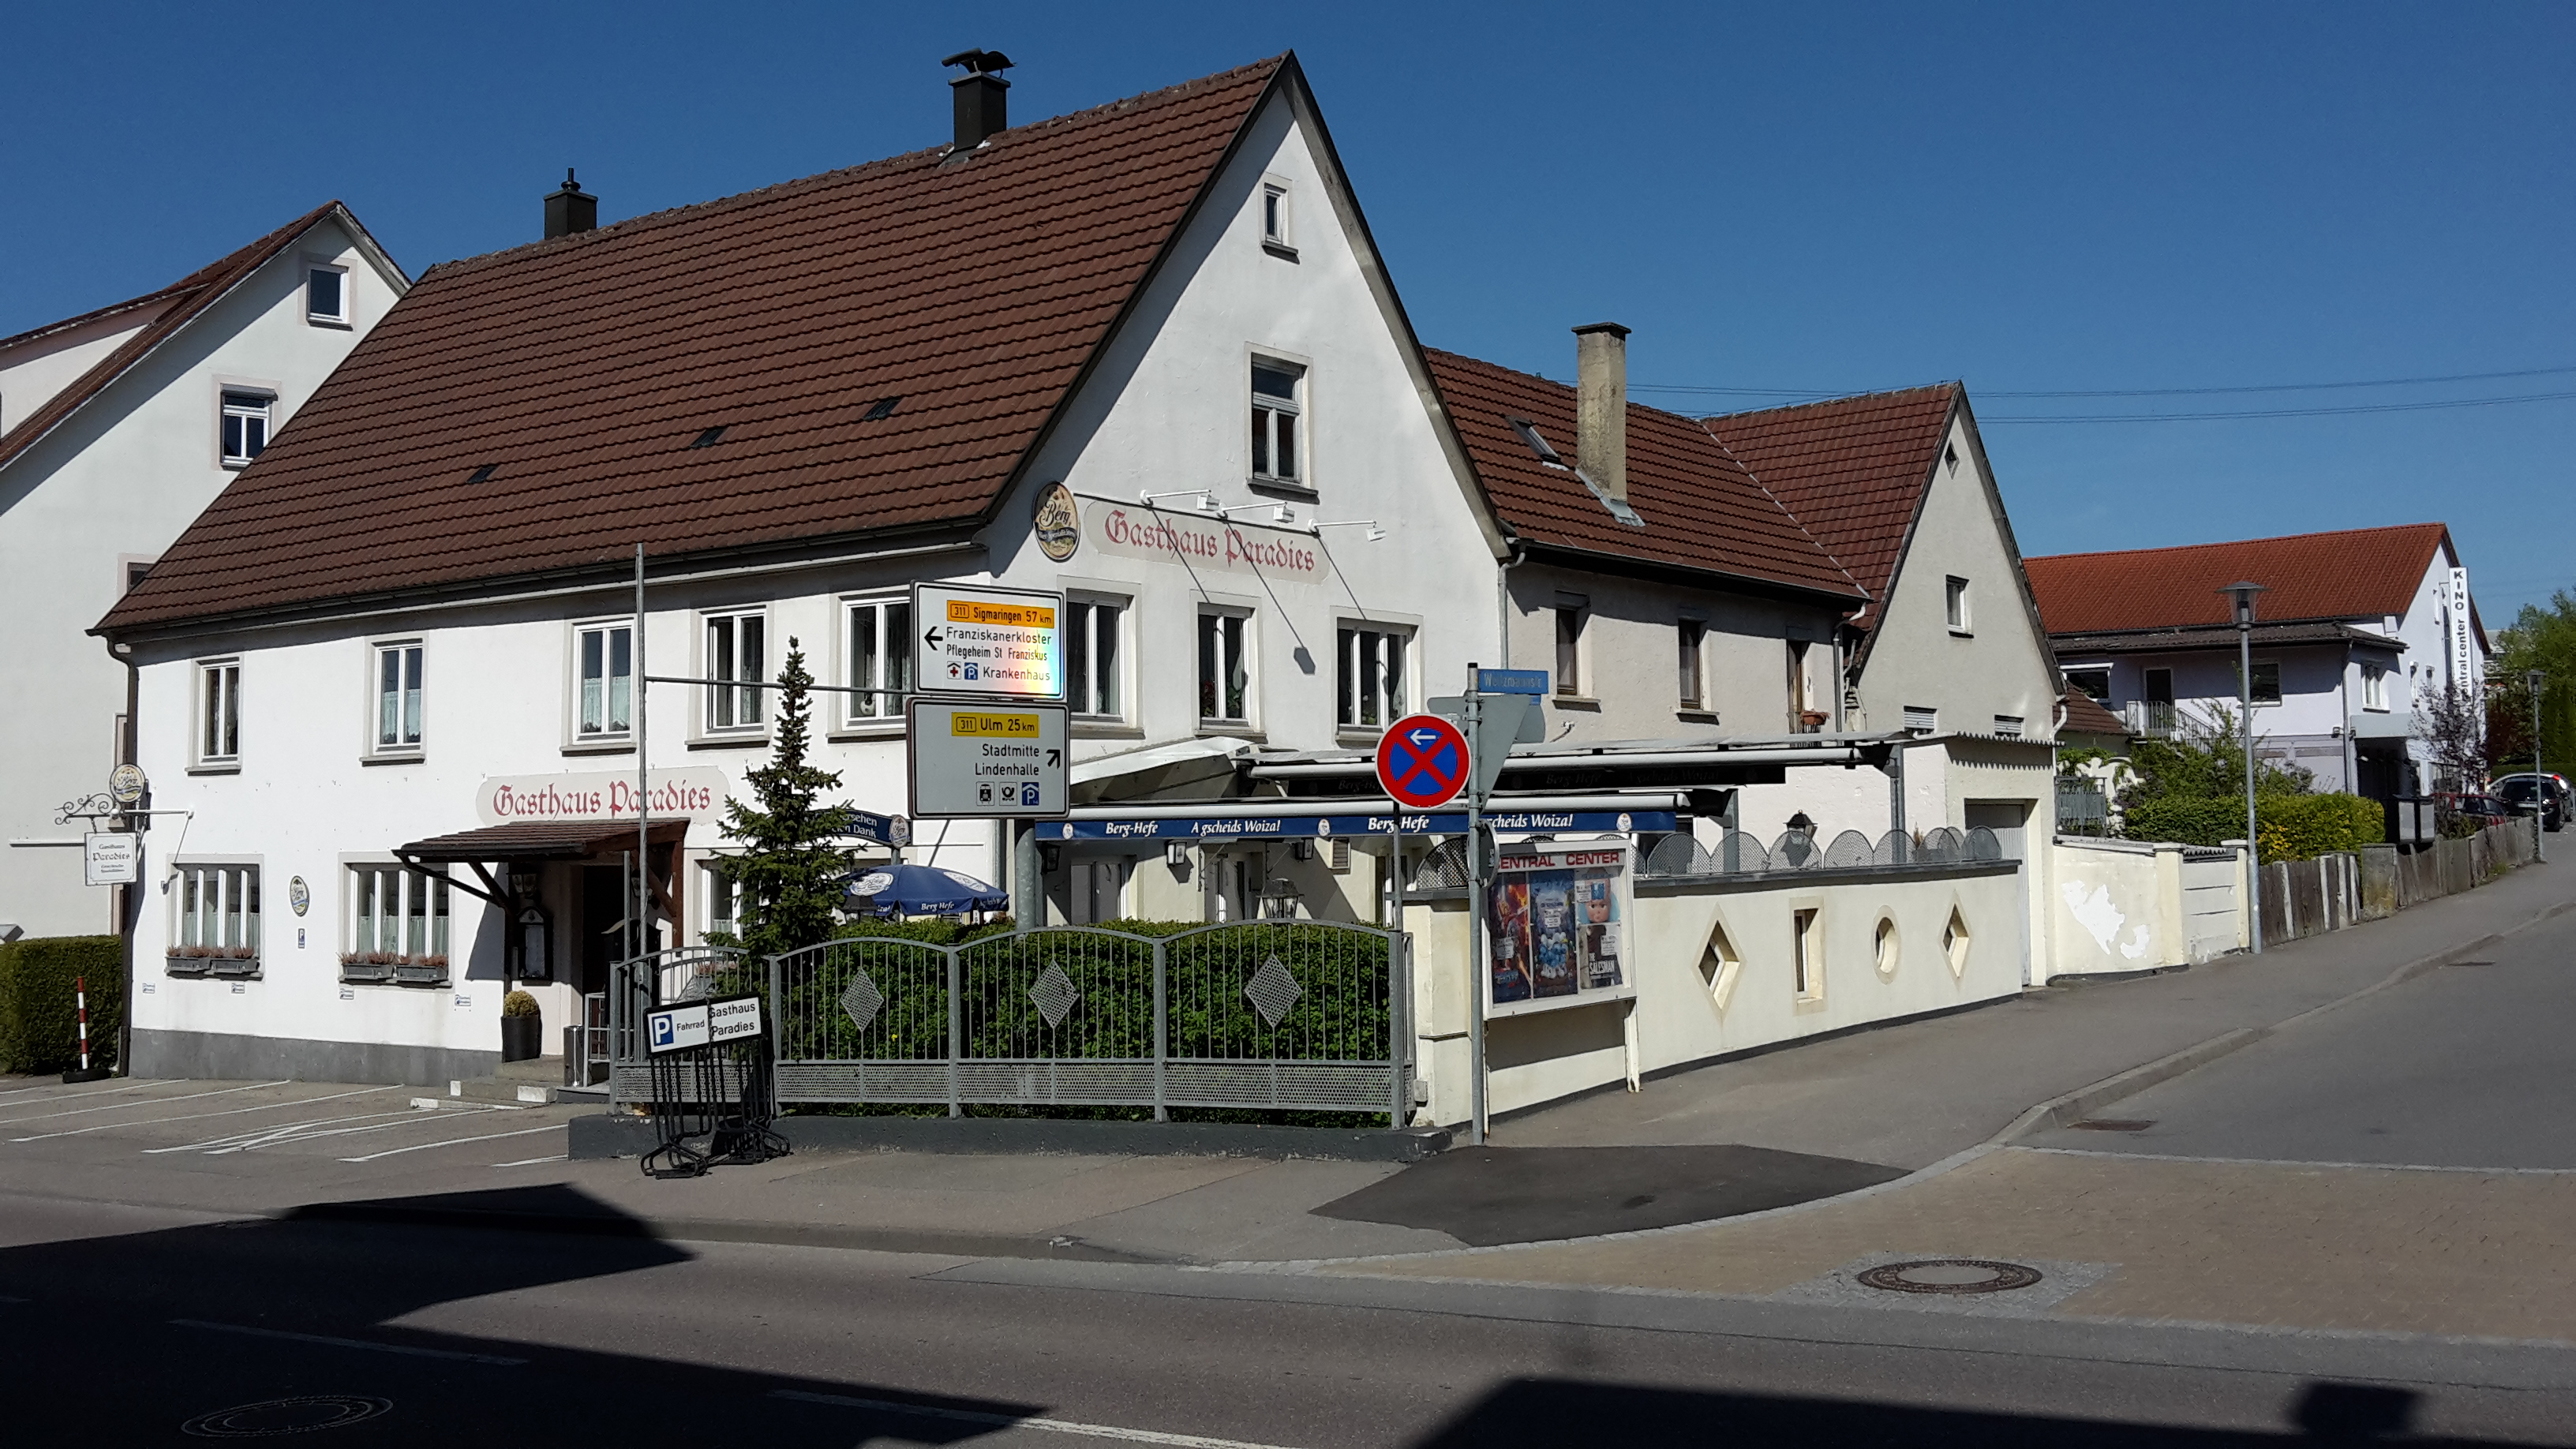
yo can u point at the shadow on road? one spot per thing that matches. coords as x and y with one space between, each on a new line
1549 1412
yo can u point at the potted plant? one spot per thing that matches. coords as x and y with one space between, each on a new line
522 1029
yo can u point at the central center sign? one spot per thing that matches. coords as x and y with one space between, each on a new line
977 640
995 758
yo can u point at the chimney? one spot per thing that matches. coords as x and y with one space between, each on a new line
982 97
1601 405
570 209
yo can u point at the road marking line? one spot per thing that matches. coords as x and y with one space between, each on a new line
451 1142
102 1092
2291 1162
200 1116
324 1338
1008 1421
260 1134
145 1102
533 1161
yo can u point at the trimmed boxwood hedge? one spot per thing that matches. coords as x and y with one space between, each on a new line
2290 827
39 1014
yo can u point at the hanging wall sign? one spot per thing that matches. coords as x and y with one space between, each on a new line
1057 523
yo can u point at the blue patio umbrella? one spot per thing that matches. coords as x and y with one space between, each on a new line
919 890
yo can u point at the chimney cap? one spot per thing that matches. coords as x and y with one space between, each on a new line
570 185
1611 327
980 62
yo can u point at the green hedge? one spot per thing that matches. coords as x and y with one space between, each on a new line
2291 827
39 1016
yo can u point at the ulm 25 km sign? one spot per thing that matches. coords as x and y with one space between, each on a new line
991 749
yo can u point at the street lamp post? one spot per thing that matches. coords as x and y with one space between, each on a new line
2242 593
2539 782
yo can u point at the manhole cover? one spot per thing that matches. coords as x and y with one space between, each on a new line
1949 1275
272 1417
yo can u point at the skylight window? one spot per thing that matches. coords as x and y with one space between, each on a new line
880 410
709 438
484 473
1529 434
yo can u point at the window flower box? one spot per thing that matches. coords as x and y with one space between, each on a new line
366 967
420 970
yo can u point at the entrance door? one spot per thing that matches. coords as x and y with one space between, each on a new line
602 928
2008 819
1095 892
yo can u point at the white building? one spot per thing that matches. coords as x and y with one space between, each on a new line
2353 630
117 427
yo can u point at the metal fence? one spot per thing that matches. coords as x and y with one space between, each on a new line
1679 855
1300 1015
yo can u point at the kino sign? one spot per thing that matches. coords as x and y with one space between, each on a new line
987 641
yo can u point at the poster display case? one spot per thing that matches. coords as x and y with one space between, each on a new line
1557 918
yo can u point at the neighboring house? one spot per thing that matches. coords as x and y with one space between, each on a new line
2354 628
969 363
117 427
2092 758
1949 648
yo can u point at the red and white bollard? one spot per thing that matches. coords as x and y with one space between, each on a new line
87 1073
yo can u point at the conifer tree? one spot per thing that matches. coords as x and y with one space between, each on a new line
792 867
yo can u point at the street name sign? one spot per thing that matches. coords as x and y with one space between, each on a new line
987 641
1511 681
110 857
893 830
1422 762
989 760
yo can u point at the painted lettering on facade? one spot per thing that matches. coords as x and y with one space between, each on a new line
697 794
1138 532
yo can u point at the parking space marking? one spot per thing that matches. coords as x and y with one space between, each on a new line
141 1102
59 1095
324 1338
533 1161
262 1136
455 1141
198 1116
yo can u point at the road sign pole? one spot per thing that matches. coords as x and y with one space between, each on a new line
1475 930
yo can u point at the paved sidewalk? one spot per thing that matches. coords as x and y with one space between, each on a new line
1910 1095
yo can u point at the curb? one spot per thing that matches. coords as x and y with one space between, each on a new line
603 1136
720 1230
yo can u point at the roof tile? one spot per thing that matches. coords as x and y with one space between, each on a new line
2359 573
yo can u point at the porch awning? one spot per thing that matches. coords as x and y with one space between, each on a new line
540 840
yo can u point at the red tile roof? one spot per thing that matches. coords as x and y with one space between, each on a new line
2086 716
581 368
1701 509
1853 470
179 304
2360 573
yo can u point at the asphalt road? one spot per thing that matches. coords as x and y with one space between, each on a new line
2471 1066
126 1324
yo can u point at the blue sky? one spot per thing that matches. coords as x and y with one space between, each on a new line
2042 198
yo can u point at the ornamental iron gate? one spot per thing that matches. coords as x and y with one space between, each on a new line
1305 1015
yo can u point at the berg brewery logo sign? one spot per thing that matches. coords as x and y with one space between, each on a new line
1057 523
696 794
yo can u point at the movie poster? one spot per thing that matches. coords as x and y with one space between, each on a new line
1555 919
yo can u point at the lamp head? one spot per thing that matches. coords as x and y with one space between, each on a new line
2242 593
2533 677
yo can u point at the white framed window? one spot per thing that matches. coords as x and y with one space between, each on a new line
1225 666
219 712
326 294
1797 688
245 426
1569 648
603 681
879 656
2093 682
737 653
1093 657
397 917
1807 951
1276 219
723 896
1372 683
1278 412
396 679
1690 638
1956 591
215 915
2374 687
2267 681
